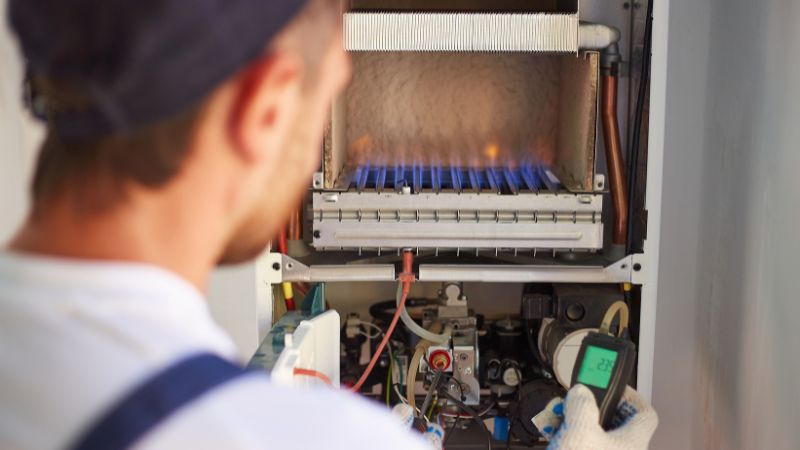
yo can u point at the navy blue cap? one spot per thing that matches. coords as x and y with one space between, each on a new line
141 61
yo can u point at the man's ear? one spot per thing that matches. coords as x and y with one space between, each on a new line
267 101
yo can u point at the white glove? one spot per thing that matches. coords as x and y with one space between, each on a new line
575 424
434 434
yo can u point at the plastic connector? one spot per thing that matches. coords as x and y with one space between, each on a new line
537 306
407 276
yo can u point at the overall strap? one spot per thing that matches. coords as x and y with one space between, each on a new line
155 400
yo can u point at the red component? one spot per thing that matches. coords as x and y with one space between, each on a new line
440 359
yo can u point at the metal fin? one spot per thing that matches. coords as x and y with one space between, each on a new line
448 32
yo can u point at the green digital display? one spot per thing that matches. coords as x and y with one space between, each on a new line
598 364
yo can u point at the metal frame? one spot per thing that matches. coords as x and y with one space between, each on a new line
354 220
281 268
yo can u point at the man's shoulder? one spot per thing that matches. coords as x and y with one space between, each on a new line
256 411
82 343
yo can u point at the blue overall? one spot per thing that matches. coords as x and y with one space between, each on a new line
156 400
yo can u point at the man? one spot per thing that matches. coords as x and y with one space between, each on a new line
180 134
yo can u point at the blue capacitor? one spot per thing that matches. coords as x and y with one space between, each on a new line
500 429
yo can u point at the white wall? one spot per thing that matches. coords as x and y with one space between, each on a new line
726 340
19 137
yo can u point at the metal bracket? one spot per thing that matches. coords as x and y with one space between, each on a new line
630 269
599 183
282 268
638 268
619 272
317 180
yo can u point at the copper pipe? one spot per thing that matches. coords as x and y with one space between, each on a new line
616 179
295 226
294 232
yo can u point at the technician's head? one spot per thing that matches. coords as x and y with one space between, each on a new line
152 99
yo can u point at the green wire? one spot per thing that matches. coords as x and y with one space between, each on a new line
430 410
389 380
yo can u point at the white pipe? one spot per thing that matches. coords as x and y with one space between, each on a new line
418 330
595 36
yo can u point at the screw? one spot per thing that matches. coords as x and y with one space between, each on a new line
637 267
276 267
317 234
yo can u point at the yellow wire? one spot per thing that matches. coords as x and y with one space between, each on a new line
430 410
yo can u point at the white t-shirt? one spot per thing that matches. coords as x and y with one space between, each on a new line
75 336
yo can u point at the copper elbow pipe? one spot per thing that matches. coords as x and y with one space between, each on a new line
616 178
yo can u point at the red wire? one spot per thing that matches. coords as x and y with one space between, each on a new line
282 246
406 278
313 373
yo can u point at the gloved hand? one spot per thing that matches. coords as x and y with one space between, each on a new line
574 424
433 434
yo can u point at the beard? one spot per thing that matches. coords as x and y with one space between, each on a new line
250 241
282 192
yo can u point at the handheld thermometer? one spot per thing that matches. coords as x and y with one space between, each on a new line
605 365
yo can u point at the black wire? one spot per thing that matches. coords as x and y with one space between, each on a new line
451 379
429 396
472 413
450 432
644 79
528 334
512 418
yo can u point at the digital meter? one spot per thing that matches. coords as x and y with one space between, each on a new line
604 365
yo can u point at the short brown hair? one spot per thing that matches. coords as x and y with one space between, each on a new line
100 168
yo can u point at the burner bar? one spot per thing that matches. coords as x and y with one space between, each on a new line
380 181
356 177
455 177
492 177
509 177
436 178
399 177
474 182
546 179
364 177
529 178
417 179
